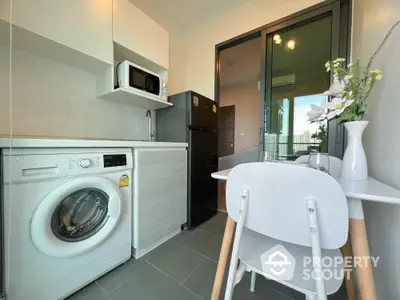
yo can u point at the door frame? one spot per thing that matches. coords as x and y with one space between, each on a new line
345 9
266 64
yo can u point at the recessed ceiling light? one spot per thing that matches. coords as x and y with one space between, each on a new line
291 44
277 37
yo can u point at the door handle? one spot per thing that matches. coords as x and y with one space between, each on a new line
339 133
260 139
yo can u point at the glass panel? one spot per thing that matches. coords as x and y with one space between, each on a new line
297 78
80 215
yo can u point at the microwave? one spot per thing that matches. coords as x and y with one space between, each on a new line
140 81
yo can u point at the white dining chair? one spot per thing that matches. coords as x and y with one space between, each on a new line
335 164
302 209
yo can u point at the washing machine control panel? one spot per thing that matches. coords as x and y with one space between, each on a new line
85 163
77 162
114 160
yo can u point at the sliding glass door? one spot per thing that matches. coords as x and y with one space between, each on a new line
293 77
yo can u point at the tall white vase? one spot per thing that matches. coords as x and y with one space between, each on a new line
354 166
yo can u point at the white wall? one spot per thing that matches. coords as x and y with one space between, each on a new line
230 22
54 100
177 60
246 98
372 19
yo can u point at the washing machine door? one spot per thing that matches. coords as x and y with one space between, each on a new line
76 217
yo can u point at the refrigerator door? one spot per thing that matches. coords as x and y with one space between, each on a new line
203 112
202 189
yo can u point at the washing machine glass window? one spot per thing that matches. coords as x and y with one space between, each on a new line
80 215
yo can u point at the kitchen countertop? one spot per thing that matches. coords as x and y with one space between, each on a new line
50 142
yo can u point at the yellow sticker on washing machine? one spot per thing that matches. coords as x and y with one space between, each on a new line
124 181
214 108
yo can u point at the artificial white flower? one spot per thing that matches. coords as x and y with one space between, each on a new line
337 106
348 77
339 60
328 66
377 71
317 113
335 89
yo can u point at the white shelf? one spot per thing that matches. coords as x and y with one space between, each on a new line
124 96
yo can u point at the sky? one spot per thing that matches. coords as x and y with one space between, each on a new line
301 107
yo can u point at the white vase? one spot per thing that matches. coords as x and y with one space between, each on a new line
354 166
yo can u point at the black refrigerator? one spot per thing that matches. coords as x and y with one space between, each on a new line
194 120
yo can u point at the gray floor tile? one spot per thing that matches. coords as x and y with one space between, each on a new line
221 217
174 259
263 290
183 269
201 282
213 226
339 295
204 243
118 276
180 237
148 283
89 292
282 289
293 294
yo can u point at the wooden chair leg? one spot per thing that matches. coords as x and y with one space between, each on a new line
365 273
223 258
349 278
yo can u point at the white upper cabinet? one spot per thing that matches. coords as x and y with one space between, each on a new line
83 25
5 10
135 31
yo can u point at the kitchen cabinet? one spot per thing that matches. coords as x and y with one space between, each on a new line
160 196
85 26
5 7
134 30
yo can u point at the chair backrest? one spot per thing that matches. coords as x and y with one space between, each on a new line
277 207
334 162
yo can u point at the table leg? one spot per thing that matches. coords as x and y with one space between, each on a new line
365 276
223 258
351 293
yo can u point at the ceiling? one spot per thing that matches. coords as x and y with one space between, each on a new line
183 14
242 63
313 42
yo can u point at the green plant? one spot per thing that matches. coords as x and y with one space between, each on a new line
322 135
351 88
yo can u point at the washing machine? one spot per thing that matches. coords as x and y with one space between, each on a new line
67 218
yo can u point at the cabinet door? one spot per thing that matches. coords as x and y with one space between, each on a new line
160 195
5 7
85 26
135 31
